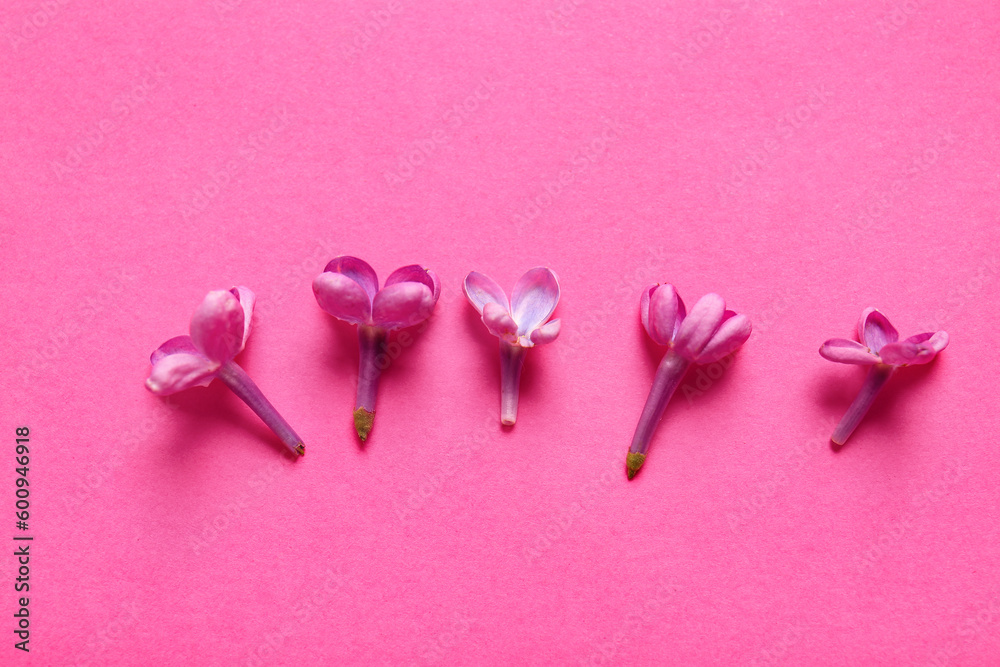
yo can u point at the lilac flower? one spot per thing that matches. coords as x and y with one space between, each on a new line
707 334
219 331
884 352
348 290
520 324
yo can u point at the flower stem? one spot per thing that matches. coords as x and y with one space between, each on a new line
511 363
237 379
370 341
874 382
668 377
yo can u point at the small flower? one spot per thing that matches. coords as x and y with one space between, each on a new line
520 324
348 290
706 334
884 352
219 331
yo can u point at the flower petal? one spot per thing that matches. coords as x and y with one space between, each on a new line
699 326
357 270
644 307
734 331
402 305
534 298
915 350
481 290
247 299
663 310
546 333
173 346
681 314
499 322
936 341
414 273
874 330
217 326
343 297
178 371
902 353
845 351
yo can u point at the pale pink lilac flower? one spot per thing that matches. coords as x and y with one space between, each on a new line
706 334
884 352
219 331
519 324
348 290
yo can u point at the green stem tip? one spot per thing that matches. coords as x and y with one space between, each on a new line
363 422
633 462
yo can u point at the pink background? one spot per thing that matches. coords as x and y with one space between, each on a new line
804 162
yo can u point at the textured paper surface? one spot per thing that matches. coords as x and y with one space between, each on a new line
803 161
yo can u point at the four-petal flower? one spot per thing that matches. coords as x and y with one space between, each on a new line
219 331
521 323
709 333
882 345
884 352
706 334
348 290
